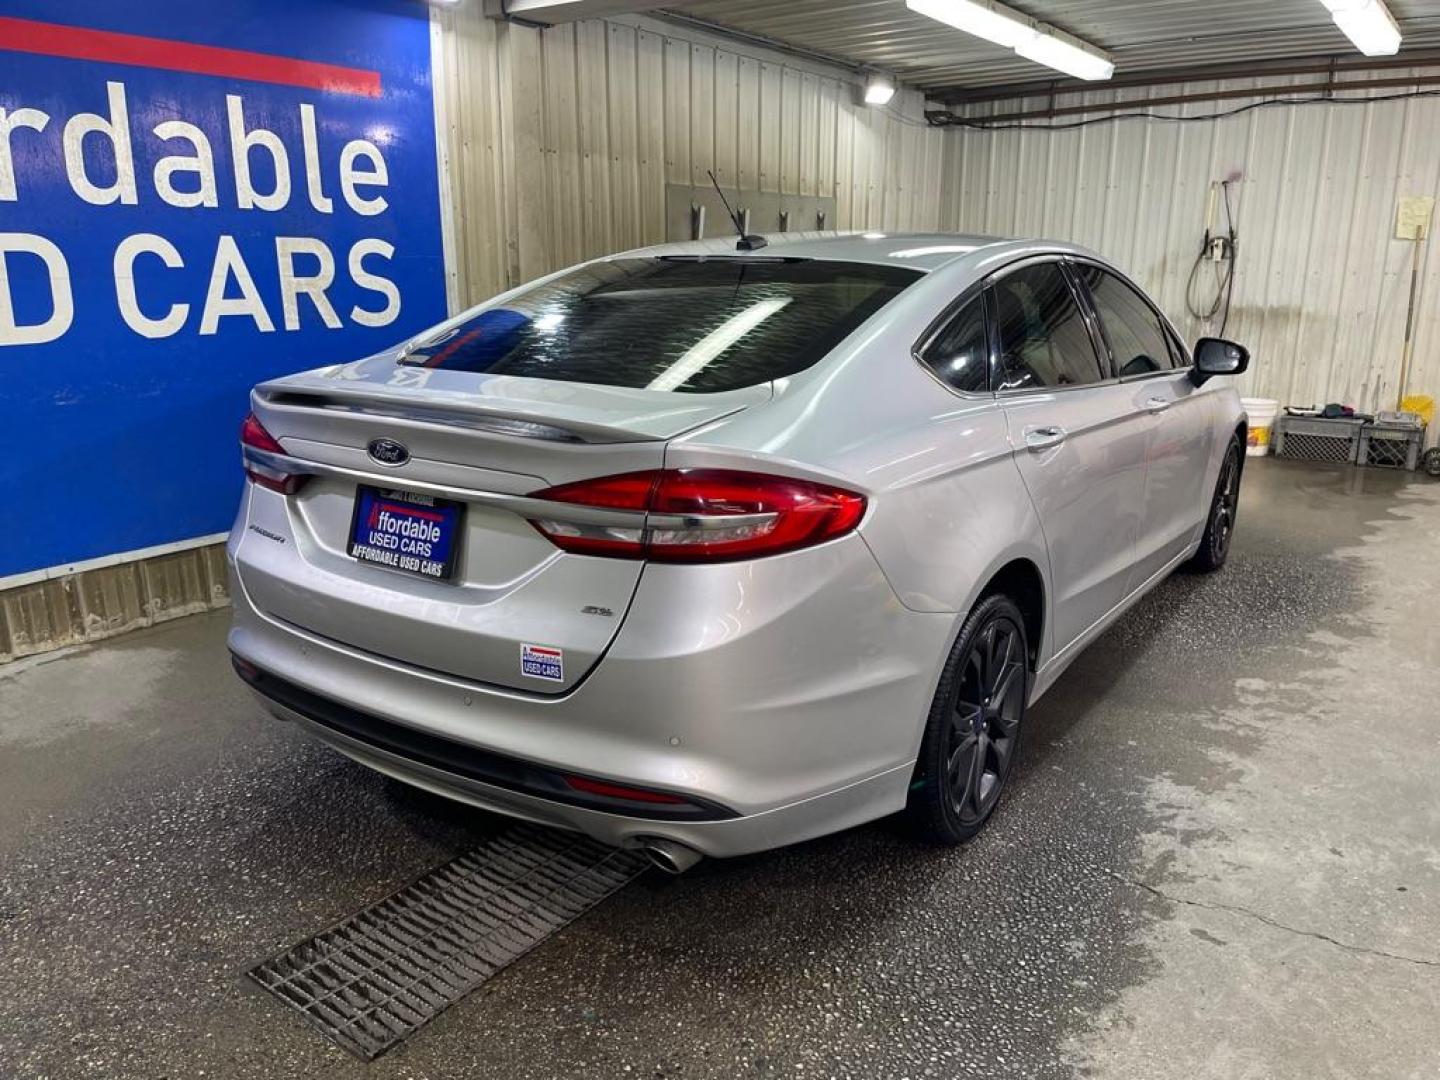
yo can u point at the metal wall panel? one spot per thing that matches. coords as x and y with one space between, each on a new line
1321 285
97 603
560 142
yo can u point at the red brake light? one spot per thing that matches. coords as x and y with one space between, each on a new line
805 514
628 491
253 433
253 436
702 515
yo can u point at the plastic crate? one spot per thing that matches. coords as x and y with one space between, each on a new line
1313 438
1391 445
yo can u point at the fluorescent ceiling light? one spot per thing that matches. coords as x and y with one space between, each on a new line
1368 24
1030 39
716 342
989 21
1055 51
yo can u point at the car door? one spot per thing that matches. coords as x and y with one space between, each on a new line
1077 437
1154 370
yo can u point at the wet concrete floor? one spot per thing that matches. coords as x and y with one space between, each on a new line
1220 858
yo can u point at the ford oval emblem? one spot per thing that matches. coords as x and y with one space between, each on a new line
388 452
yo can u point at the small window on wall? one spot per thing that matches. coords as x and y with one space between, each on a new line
960 355
1137 339
1043 337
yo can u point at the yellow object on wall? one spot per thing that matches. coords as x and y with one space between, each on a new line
1422 405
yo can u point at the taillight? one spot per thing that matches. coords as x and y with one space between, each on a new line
254 437
699 515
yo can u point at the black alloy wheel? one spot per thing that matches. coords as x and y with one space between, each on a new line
974 727
1220 525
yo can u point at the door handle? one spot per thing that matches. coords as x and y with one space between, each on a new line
1157 404
1043 438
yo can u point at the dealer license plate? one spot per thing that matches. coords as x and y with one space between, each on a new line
400 530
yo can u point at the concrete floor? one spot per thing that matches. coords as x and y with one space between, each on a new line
1221 858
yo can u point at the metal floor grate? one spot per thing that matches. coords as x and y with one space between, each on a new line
370 981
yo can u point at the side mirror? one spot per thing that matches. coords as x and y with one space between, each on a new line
1216 356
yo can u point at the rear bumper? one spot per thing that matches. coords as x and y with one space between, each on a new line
462 761
786 695
836 810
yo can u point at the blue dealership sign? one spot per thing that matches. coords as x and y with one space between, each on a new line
193 197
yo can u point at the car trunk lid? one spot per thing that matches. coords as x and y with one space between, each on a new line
517 612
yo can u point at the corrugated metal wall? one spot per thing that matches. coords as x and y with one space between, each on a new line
562 141
1321 285
97 603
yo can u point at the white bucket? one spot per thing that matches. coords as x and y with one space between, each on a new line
1262 412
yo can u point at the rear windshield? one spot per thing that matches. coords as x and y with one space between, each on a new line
698 325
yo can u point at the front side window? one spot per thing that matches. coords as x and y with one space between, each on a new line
1137 339
1179 357
689 324
1043 337
960 353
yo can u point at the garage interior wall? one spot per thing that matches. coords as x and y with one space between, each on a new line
1321 284
558 145
561 141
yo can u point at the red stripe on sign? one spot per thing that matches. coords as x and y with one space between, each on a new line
78 43
402 508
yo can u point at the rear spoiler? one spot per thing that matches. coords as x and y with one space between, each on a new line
550 411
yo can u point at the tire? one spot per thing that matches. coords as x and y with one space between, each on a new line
1220 521
979 705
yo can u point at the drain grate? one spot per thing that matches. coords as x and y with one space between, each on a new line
370 981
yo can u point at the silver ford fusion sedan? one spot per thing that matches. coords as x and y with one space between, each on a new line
708 548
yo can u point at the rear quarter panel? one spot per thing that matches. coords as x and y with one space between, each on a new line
947 504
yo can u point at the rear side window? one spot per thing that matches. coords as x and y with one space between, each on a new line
1043 337
697 325
1137 339
960 354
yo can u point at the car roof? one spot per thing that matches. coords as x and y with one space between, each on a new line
922 251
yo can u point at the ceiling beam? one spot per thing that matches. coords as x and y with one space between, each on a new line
1321 88
763 41
552 12
1323 64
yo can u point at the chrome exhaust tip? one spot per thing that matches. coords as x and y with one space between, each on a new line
669 856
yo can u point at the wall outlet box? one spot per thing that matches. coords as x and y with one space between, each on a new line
1412 217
